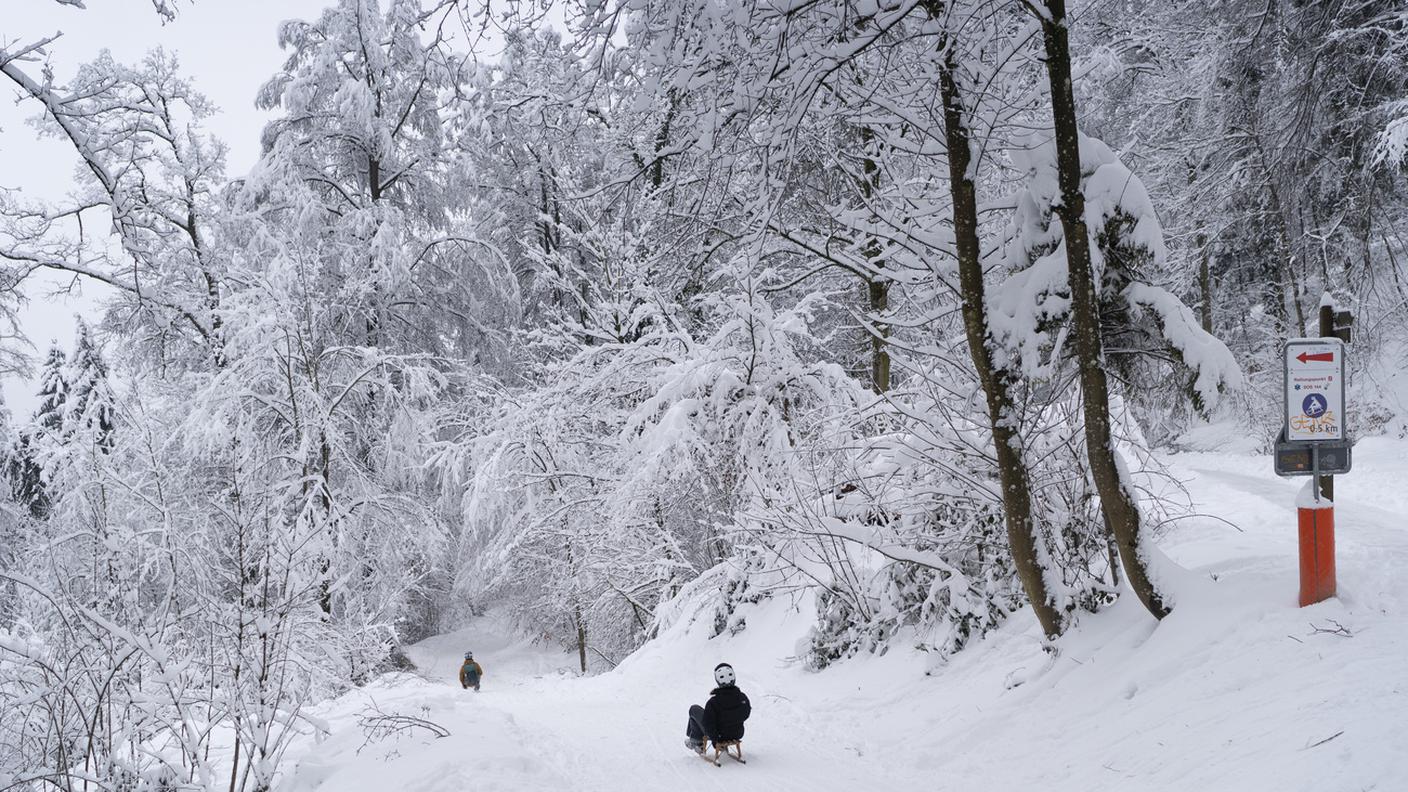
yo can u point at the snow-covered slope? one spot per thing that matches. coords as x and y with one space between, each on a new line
1238 690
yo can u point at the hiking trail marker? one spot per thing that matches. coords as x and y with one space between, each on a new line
1314 441
1314 389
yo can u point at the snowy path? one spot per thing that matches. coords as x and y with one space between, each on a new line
603 736
1235 691
535 726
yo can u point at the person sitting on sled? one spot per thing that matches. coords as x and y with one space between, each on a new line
470 672
721 719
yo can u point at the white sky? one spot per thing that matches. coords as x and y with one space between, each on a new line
227 47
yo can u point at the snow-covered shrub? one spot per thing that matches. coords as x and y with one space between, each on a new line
1152 340
745 584
936 609
905 537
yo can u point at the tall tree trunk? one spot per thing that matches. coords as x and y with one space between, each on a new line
879 294
1117 502
877 285
1205 285
1011 467
581 638
662 139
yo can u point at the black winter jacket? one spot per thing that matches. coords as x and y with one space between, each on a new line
728 707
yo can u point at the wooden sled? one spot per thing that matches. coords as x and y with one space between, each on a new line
733 749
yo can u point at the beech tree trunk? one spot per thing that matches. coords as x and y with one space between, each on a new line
1121 512
1012 470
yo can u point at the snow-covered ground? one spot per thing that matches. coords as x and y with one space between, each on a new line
1238 690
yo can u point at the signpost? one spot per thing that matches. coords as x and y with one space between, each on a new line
1314 441
1314 389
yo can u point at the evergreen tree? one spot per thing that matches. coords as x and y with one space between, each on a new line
53 393
34 442
26 488
26 477
89 408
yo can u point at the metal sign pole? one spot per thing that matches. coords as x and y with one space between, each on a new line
1326 485
1317 480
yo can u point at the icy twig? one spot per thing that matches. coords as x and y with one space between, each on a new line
379 725
1339 629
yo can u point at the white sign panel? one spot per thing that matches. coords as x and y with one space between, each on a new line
1315 389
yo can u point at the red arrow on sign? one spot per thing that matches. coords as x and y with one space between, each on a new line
1324 357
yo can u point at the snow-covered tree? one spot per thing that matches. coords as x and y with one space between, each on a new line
148 167
1106 230
89 408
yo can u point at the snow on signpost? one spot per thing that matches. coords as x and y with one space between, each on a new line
1315 408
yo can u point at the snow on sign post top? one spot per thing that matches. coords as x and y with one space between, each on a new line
1315 389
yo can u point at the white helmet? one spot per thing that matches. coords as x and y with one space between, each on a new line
723 675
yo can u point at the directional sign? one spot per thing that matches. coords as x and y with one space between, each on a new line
1315 389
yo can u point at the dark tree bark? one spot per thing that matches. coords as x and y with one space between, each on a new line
1121 512
1205 289
581 638
1012 470
877 285
879 298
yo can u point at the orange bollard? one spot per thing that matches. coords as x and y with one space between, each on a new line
1317 551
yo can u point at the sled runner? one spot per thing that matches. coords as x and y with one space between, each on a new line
733 749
